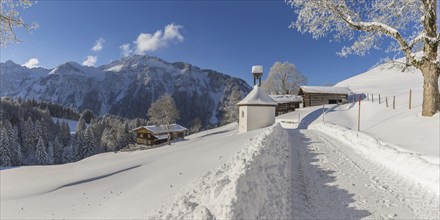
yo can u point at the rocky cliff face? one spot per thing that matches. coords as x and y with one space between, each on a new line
125 87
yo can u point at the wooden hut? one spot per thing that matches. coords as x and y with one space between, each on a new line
157 134
286 103
320 95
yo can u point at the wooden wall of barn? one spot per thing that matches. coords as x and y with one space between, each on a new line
314 99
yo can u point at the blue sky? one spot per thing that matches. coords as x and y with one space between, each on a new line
227 36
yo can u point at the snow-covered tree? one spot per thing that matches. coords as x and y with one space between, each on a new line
108 139
68 154
64 133
231 109
5 149
29 139
78 145
197 124
410 23
10 19
283 78
42 131
57 150
41 153
50 153
125 137
81 126
15 147
88 144
164 112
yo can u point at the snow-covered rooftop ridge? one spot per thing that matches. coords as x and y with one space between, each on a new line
257 97
157 129
286 98
326 89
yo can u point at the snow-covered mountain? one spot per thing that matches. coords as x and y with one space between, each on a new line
125 87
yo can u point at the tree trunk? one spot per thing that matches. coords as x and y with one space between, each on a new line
430 69
431 94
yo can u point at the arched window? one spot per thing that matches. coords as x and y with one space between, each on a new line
242 114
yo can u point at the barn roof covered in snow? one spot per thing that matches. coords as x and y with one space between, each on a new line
257 97
324 90
158 129
280 99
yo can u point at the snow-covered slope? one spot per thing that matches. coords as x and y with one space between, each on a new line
125 87
125 185
400 126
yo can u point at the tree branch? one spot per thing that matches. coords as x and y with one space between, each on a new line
343 12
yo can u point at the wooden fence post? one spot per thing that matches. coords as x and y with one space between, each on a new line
323 113
372 97
394 102
379 98
359 114
386 101
410 93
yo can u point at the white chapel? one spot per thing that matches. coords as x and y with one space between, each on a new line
257 109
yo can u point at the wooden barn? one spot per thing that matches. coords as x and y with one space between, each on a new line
157 134
320 95
286 103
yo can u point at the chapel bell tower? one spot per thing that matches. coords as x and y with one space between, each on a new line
257 71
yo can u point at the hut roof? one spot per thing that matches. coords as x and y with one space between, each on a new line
324 89
280 99
258 97
158 129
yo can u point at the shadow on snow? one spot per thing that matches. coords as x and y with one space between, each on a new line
313 195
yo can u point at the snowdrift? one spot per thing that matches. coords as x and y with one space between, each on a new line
254 184
407 164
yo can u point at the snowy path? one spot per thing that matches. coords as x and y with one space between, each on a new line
333 181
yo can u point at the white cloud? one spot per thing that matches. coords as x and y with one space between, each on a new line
90 61
125 50
98 45
146 42
172 32
31 63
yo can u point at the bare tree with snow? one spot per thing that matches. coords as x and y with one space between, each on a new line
10 19
164 112
283 78
231 109
410 23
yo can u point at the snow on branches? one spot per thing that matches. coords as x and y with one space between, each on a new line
411 23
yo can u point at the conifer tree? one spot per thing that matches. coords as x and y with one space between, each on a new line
88 146
68 154
41 130
79 141
40 152
57 151
16 152
5 152
29 139
81 126
65 133
50 153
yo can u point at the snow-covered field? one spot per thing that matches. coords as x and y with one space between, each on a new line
116 185
303 169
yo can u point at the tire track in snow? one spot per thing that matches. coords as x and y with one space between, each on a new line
332 181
